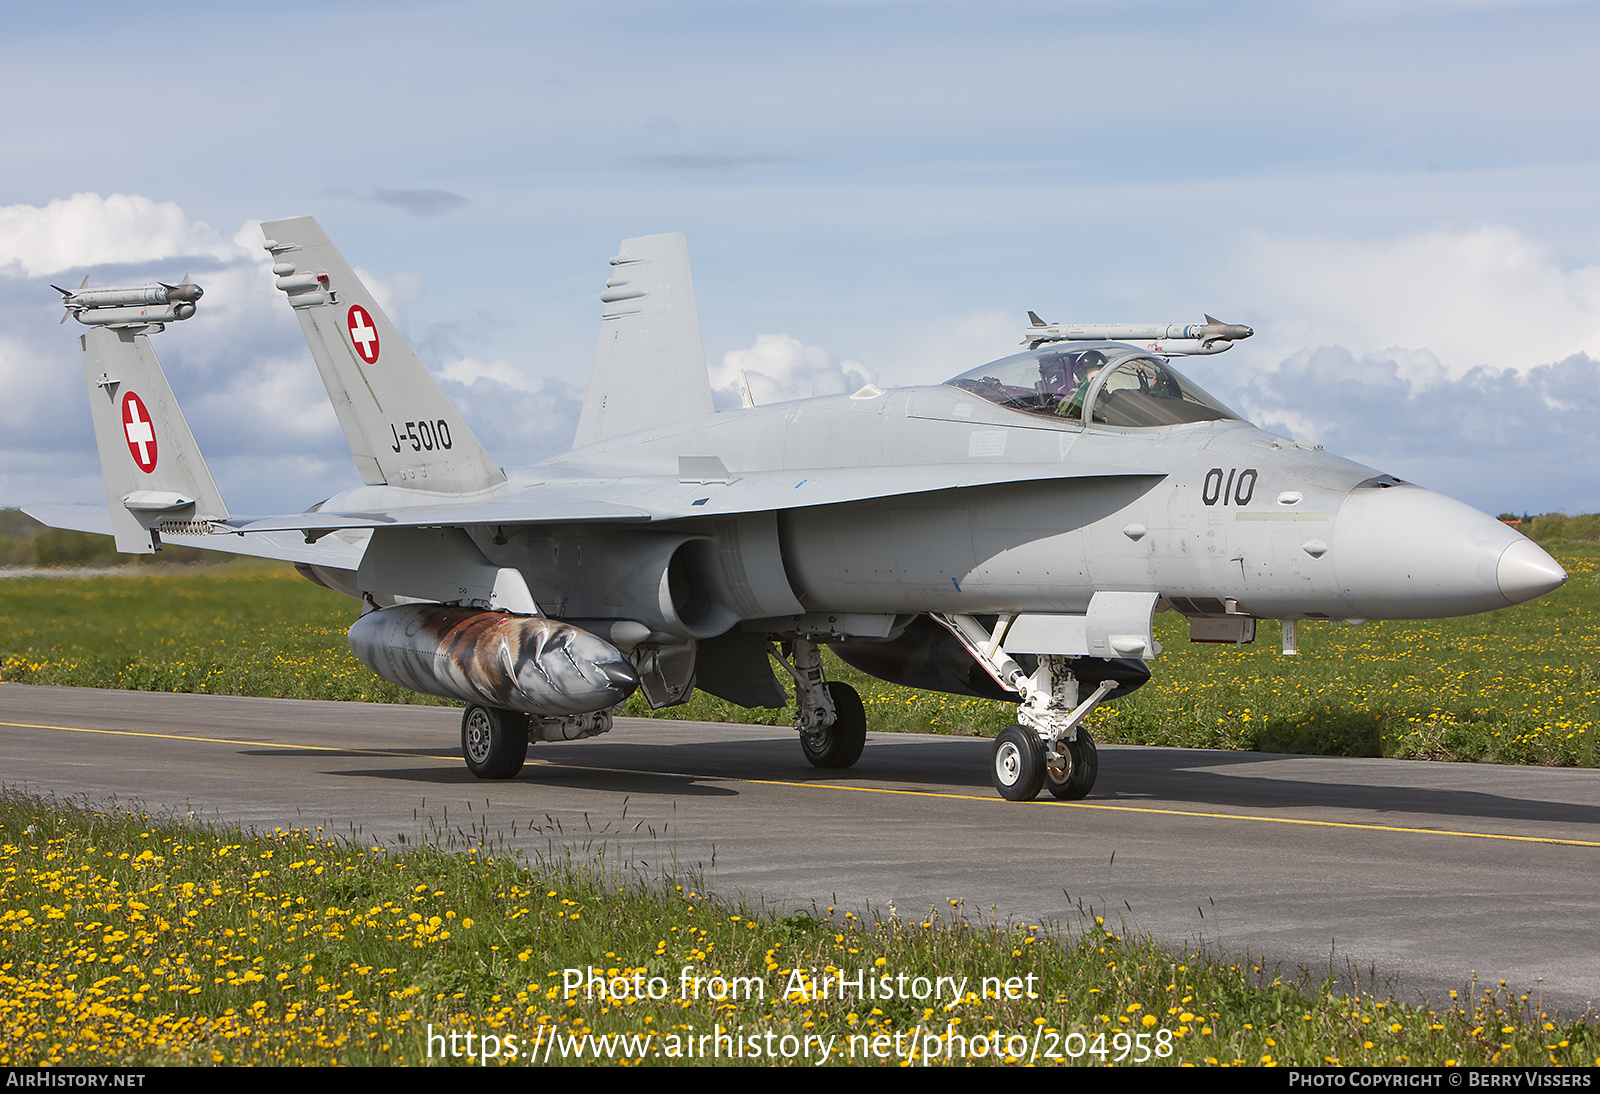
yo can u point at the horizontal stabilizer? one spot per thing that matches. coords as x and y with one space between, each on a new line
336 552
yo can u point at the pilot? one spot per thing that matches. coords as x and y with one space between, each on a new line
1084 370
1056 379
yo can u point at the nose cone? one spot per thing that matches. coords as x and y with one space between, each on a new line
1526 572
1401 552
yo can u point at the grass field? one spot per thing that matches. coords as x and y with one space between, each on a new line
128 940
1515 686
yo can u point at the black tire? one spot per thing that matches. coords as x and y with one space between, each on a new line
1084 767
840 744
1018 768
494 742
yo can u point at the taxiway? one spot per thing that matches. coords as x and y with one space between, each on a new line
1417 874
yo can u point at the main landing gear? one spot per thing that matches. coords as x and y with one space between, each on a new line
1047 749
831 720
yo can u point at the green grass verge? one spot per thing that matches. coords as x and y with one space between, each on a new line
131 940
1515 686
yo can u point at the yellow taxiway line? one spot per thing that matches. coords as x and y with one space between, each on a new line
855 789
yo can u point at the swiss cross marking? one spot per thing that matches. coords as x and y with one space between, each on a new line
363 334
140 431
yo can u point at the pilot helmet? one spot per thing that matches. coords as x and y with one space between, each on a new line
1056 375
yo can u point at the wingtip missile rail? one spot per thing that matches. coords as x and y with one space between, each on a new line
143 306
1167 339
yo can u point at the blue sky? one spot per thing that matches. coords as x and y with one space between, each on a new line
1399 197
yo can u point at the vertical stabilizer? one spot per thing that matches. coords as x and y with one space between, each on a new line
650 366
155 477
400 428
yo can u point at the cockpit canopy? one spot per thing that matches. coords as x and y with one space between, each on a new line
1121 385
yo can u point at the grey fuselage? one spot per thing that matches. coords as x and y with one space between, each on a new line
1204 513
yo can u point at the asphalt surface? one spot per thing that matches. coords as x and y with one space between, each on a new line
1413 877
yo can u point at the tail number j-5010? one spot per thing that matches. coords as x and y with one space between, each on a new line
426 436
1231 487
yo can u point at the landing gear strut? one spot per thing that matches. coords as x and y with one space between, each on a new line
831 720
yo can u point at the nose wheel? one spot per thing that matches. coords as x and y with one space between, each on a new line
1023 765
1018 764
1072 776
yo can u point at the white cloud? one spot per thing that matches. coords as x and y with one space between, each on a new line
89 230
35 389
1488 297
467 371
239 368
520 418
780 367
518 422
1501 439
1464 361
276 405
395 293
257 484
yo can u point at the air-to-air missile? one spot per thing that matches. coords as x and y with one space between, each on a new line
1167 339
146 305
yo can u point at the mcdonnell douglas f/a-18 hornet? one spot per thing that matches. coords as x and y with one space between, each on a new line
1008 534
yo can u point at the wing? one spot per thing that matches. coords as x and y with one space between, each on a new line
645 499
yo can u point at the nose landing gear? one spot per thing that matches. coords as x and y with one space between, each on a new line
1046 748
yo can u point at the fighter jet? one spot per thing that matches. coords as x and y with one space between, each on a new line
1009 533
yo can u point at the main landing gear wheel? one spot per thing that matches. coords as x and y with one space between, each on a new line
495 742
1018 764
1077 777
840 744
